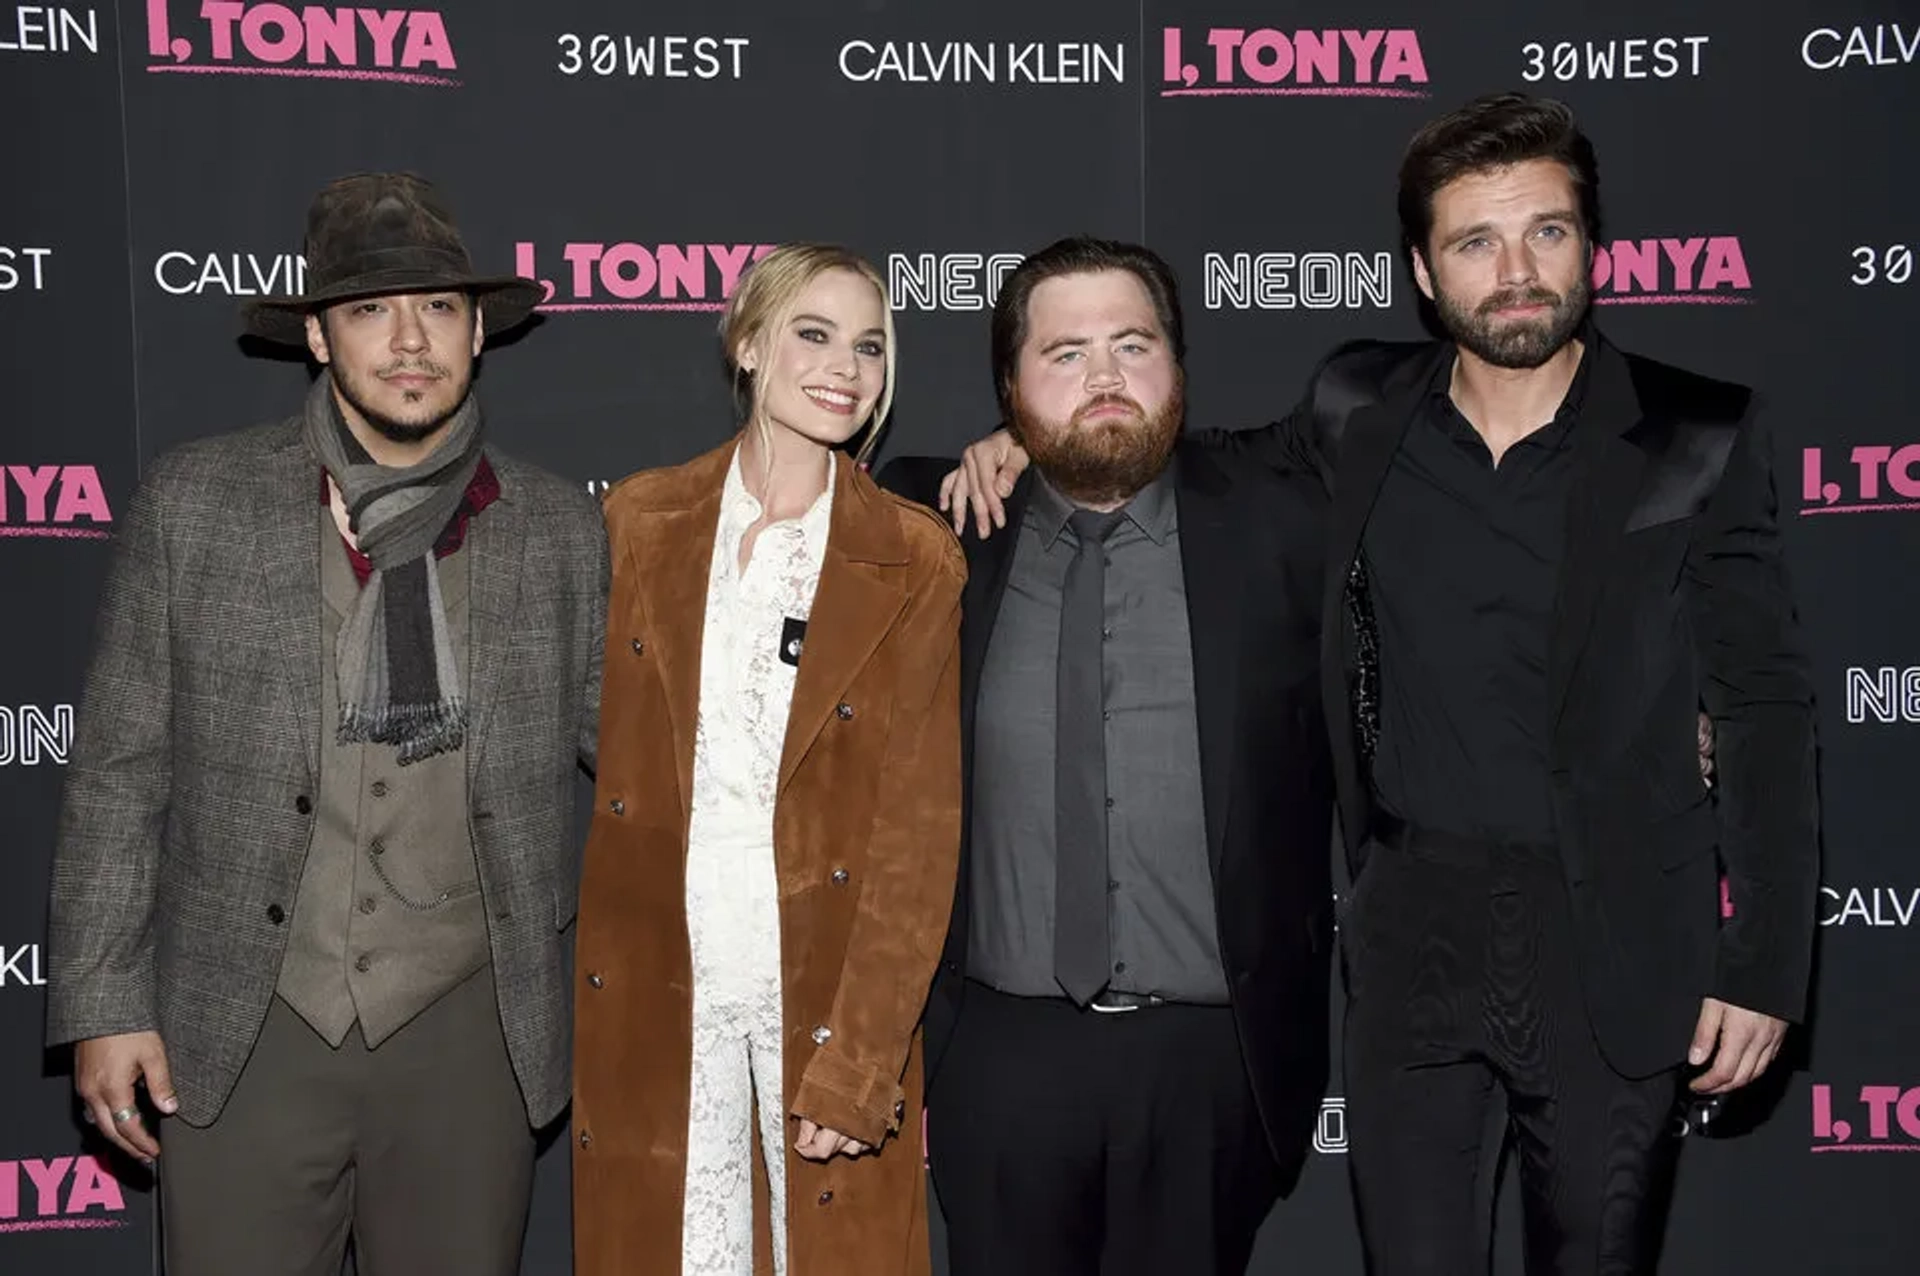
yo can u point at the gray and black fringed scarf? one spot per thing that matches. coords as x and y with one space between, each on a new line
399 684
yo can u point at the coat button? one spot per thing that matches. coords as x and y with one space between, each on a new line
638 646
822 1035
586 1139
594 981
826 1197
839 877
844 709
617 807
303 804
276 914
899 1109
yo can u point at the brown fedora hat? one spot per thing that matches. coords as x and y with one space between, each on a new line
374 234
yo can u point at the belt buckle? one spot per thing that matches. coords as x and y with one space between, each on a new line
1111 1010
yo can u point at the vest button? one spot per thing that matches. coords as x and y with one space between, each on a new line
367 904
276 914
363 963
379 788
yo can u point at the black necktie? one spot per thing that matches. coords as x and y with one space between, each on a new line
1080 950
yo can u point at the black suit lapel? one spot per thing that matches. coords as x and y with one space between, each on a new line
1210 560
1608 472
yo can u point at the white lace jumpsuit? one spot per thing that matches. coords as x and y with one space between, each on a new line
733 914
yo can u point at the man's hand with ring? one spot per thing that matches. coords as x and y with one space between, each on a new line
104 1072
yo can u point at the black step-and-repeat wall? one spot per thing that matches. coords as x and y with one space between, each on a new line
1759 176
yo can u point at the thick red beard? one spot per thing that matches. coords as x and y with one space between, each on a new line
1103 462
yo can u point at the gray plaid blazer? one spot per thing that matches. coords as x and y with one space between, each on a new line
188 803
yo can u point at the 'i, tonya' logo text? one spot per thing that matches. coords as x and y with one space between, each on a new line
53 500
1892 1121
234 37
61 1193
626 276
1266 62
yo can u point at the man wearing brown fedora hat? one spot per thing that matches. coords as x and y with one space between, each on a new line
316 860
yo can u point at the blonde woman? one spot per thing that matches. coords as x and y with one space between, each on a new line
772 856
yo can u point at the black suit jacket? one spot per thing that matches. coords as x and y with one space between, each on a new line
1251 546
1671 591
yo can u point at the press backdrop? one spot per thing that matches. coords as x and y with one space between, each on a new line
1760 196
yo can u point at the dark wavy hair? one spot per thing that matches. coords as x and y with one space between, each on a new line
1491 132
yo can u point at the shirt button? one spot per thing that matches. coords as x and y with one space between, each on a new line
1112 886
822 1035
363 963
839 877
1109 804
594 981
638 646
1120 966
844 709
379 788
826 1197
617 807
1106 715
1106 631
368 903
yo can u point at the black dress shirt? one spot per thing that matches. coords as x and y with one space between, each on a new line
1463 559
1161 922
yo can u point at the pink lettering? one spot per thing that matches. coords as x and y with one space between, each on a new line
1900 471
220 15
682 268
81 494
1879 1100
159 38
1403 60
622 257
47 1177
582 257
93 1185
1909 1113
330 32
1868 460
730 261
1725 264
1317 53
284 47
427 41
1636 266
1266 57
1224 41
1170 60
383 27
1682 254
1362 45
1809 470
34 484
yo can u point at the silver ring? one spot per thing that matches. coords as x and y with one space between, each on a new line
123 1115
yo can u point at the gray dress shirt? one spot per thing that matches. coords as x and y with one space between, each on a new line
1161 923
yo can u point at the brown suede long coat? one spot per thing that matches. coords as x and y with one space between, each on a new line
866 842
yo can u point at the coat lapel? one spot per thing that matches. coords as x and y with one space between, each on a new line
854 606
1608 470
989 567
496 539
289 553
1209 559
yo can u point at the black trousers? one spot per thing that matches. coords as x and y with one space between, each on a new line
1066 1142
1462 977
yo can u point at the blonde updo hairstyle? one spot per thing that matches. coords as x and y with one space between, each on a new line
761 306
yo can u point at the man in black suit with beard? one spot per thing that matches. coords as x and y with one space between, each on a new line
1126 1041
1543 554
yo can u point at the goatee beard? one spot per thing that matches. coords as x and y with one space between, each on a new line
406 433
1518 345
1103 462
